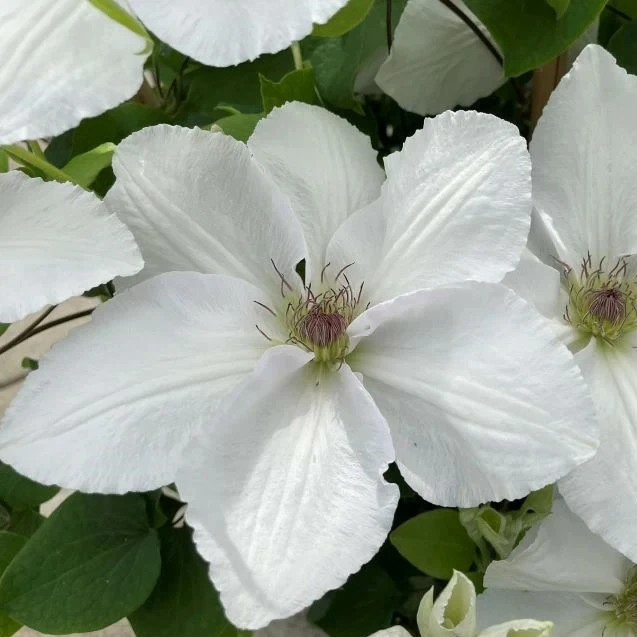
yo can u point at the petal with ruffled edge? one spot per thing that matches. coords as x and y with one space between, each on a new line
603 492
467 377
224 33
287 497
394 631
56 241
62 61
197 201
113 405
325 166
437 61
571 614
517 627
456 206
562 555
584 160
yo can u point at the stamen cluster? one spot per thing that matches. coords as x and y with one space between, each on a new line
625 603
318 321
601 302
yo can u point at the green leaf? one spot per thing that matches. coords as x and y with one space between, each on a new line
21 492
30 363
364 605
84 168
4 327
237 86
94 561
10 545
296 86
559 6
114 11
25 522
435 542
337 62
628 7
350 16
239 126
4 167
184 601
528 33
623 45
26 158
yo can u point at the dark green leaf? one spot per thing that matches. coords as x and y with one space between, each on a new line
239 126
30 363
365 604
4 326
94 561
528 33
184 601
86 167
350 16
25 522
296 86
237 86
21 492
559 6
10 546
627 7
435 542
623 45
337 62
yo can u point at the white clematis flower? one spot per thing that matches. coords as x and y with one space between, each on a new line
277 403
223 33
453 614
582 272
56 241
563 572
62 61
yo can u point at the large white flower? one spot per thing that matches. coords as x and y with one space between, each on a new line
453 614
582 271
277 403
62 61
564 573
226 32
56 241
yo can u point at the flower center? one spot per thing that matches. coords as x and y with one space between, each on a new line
625 604
601 302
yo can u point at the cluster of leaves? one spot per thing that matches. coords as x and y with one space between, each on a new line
97 559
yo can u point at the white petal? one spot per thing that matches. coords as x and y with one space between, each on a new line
537 283
571 614
467 379
326 167
604 490
394 631
563 555
518 627
56 241
62 61
453 614
197 201
297 626
584 159
437 61
223 32
456 206
113 404
287 497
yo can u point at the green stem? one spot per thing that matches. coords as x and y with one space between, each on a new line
31 160
297 55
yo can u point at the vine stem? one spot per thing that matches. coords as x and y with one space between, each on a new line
37 328
297 55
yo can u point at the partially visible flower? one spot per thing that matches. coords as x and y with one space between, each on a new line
438 61
277 402
62 61
227 32
582 271
453 614
565 573
56 241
